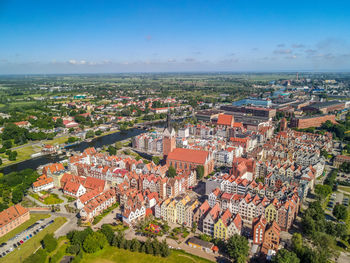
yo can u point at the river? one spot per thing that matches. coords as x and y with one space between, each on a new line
34 163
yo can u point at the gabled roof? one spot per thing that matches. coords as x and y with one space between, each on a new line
225 119
189 155
12 213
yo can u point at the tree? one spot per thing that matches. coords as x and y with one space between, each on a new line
285 256
340 212
73 249
171 171
200 172
7 144
323 190
38 257
118 145
94 242
89 134
0 161
111 150
297 243
164 249
135 245
49 242
156 160
108 232
237 248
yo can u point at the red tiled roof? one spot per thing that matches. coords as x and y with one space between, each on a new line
11 214
42 181
225 119
188 155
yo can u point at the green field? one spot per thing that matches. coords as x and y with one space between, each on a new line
18 255
344 188
24 153
52 199
112 254
32 220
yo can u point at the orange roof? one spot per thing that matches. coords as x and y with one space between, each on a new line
42 181
11 214
237 125
188 155
225 119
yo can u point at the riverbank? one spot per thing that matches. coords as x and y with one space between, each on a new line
108 138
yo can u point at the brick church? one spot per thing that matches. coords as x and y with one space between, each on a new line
182 158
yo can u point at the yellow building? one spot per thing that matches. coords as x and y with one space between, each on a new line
220 227
171 212
181 209
271 213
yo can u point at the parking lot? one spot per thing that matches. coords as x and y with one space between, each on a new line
24 236
337 198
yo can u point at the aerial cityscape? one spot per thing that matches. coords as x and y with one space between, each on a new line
182 131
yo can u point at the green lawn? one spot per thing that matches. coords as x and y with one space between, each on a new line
24 153
18 255
59 252
52 199
112 254
32 220
344 188
59 140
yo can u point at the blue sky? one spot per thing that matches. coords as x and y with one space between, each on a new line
153 36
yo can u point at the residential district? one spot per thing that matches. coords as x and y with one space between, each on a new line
262 178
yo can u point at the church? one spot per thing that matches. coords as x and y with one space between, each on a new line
182 158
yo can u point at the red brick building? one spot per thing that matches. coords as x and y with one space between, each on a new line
259 226
169 140
271 238
188 159
340 159
225 120
311 121
13 217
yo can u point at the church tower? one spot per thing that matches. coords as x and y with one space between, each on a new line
283 124
169 143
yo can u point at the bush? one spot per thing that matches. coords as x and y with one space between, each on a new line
38 257
73 249
94 242
49 242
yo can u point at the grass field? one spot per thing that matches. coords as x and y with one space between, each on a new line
18 255
52 199
23 153
112 254
32 220
59 140
59 252
344 188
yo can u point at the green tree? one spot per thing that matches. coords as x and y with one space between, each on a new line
285 256
49 242
38 257
340 212
237 248
118 145
135 245
89 134
200 172
156 160
111 150
323 190
297 243
108 232
94 242
7 144
171 171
